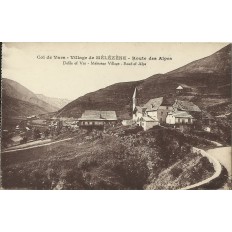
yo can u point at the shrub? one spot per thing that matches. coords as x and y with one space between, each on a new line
176 172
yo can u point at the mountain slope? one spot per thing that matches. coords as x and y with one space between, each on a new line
15 90
55 102
115 97
219 62
212 74
16 108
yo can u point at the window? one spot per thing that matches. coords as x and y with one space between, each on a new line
161 112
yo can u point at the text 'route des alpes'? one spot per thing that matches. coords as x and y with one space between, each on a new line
104 60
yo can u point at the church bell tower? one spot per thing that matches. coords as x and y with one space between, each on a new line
134 99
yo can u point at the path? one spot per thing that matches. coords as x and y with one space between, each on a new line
33 145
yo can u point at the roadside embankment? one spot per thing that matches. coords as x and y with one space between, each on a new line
207 182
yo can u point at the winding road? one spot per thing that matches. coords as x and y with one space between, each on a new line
223 155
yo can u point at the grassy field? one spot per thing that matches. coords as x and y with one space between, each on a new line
121 158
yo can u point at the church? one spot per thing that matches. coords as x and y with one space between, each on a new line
146 115
158 111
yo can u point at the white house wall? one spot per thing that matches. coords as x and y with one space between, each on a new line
170 119
148 125
183 121
152 114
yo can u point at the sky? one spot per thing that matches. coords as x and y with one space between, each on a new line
24 63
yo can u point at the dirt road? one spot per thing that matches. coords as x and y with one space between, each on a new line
34 144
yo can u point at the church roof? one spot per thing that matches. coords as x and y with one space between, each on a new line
153 104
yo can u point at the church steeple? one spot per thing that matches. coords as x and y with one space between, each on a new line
134 99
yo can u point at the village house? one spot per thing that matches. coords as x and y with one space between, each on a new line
148 122
56 124
97 119
16 140
184 112
127 122
32 117
183 89
164 109
189 107
179 117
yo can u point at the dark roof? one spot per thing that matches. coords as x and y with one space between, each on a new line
167 102
186 106
140 109
153 104
98 115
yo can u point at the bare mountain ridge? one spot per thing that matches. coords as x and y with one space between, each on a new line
209 64
55 102
212 73
15 90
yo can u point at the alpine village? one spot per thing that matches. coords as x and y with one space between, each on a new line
158 133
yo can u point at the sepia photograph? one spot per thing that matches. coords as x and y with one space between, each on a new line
116 116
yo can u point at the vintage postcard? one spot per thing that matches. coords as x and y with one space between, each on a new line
116 116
